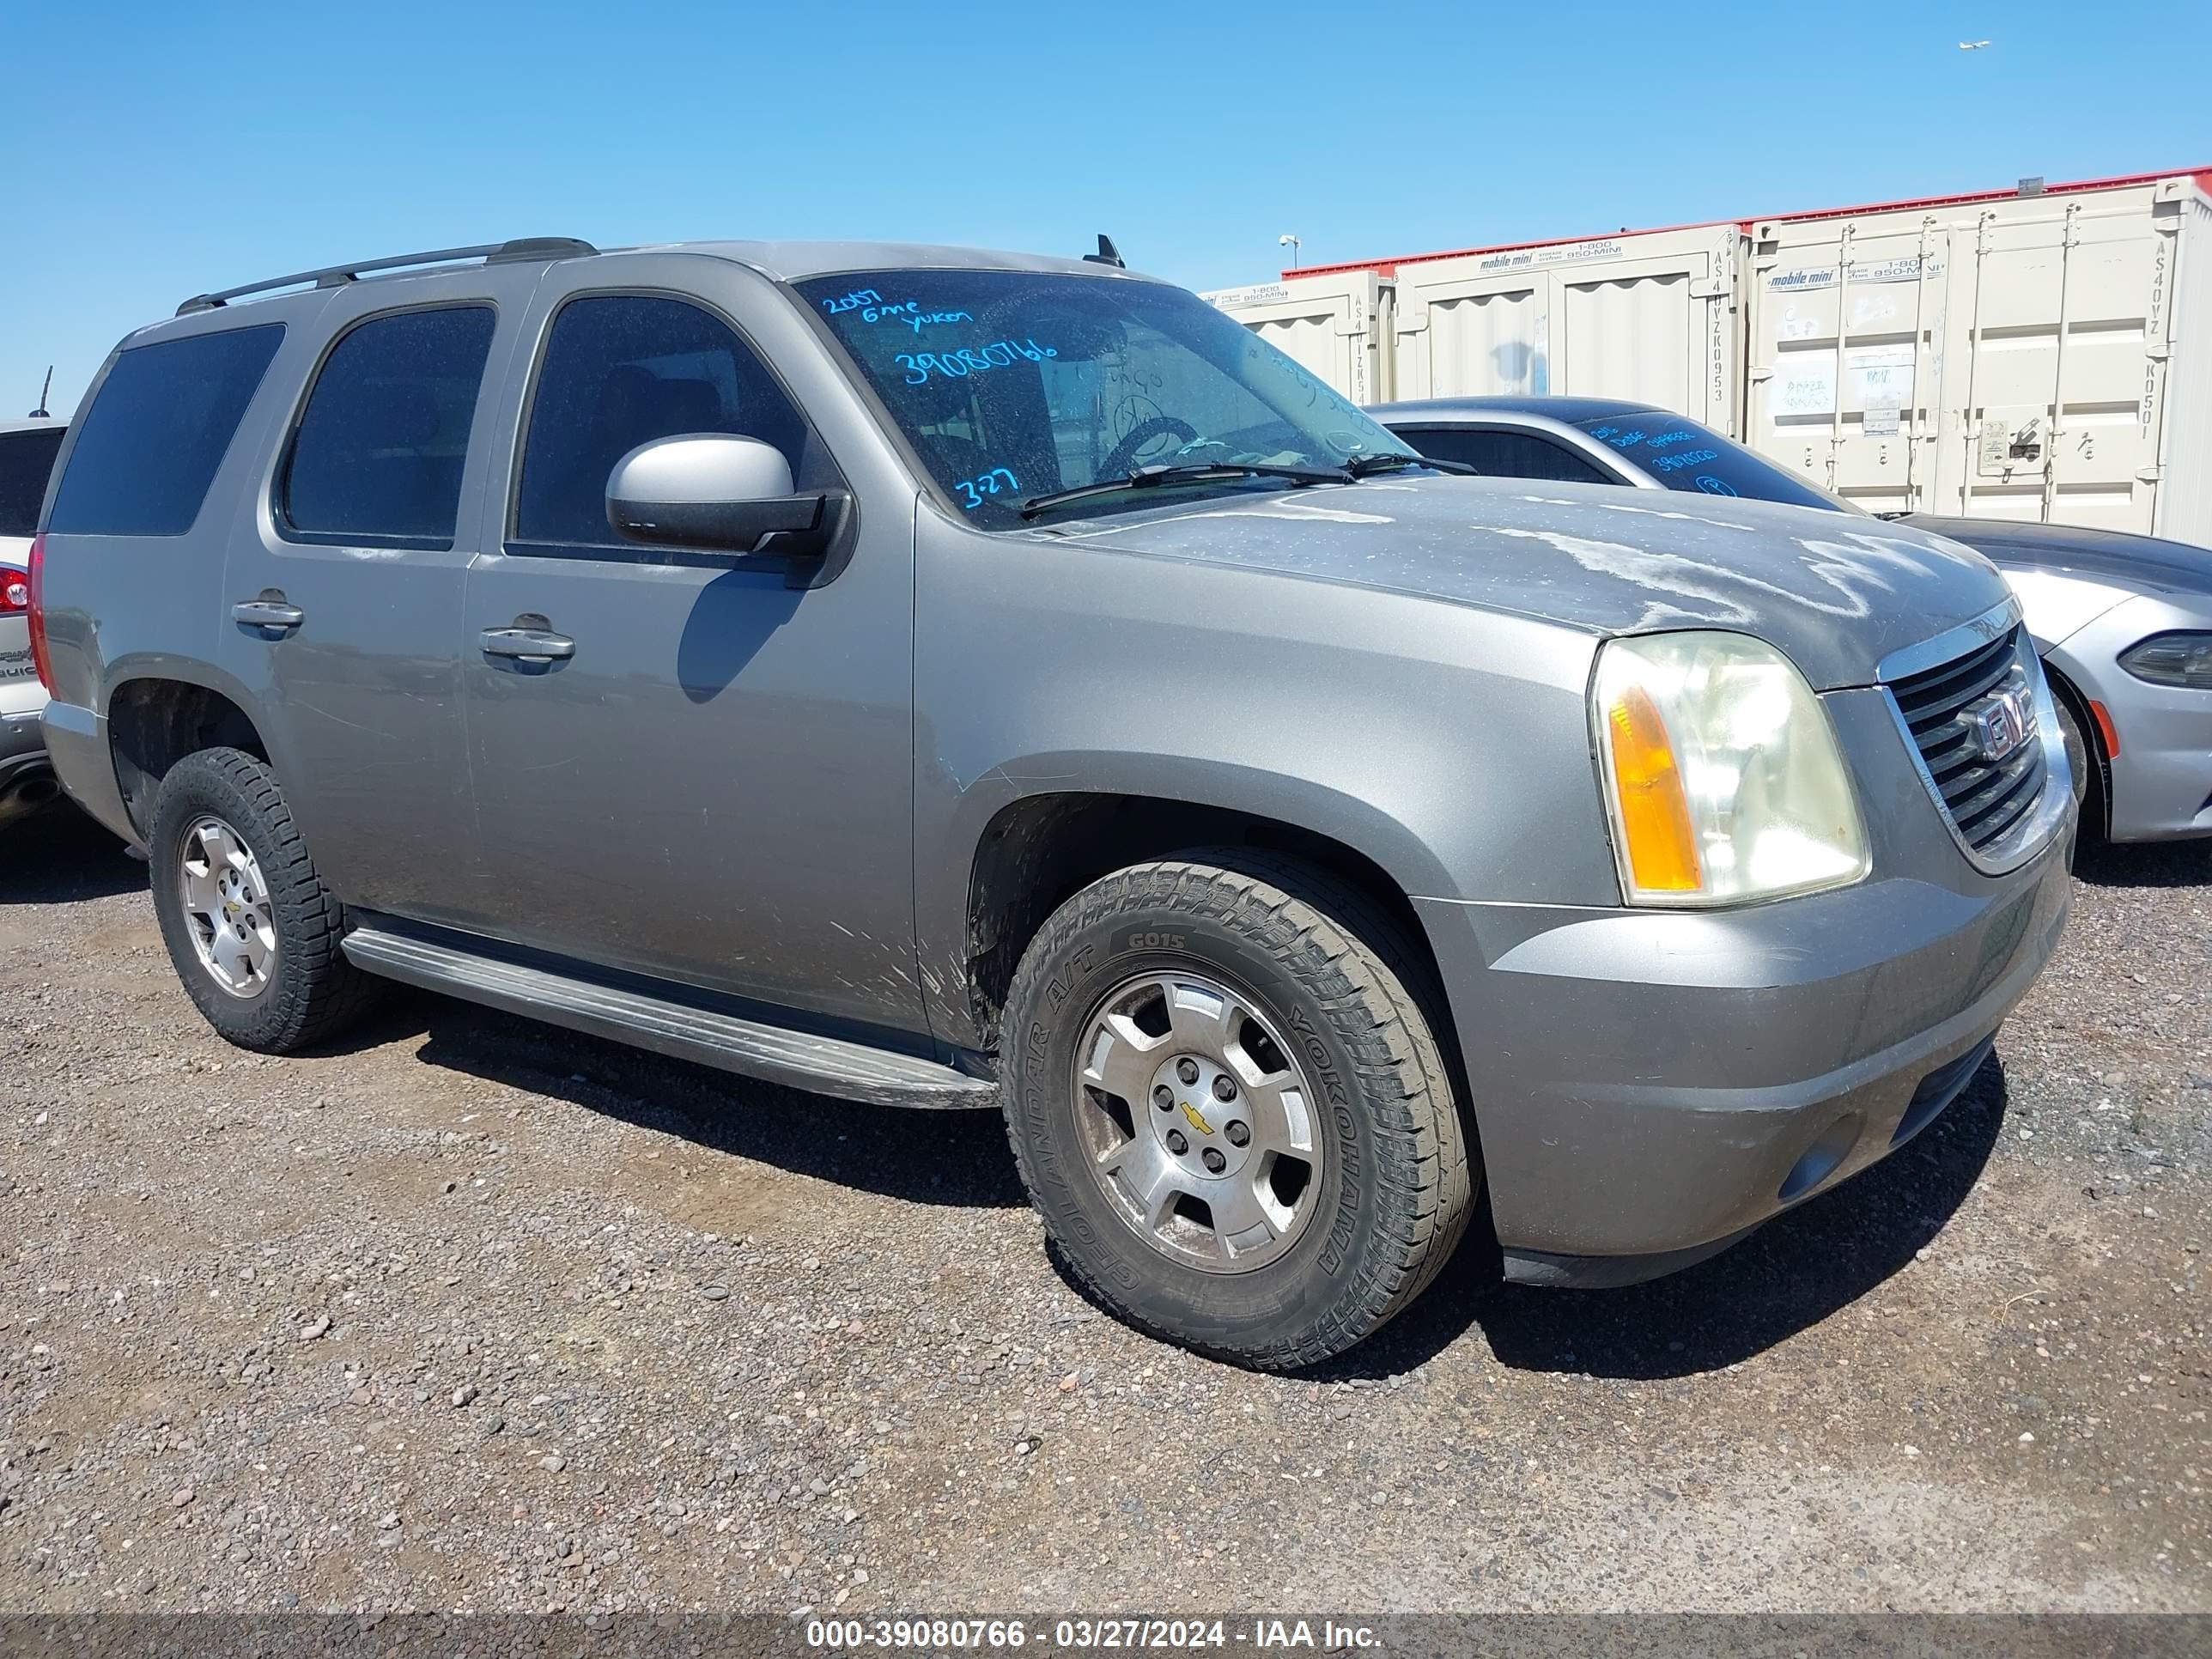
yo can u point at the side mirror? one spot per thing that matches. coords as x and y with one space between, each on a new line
715 492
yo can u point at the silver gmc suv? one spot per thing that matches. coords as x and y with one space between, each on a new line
957 679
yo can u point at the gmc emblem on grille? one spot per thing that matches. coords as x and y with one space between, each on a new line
2002 722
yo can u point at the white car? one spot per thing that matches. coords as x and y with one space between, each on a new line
27 449
2123 622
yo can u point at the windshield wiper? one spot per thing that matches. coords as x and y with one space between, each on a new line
1362 466
1151 478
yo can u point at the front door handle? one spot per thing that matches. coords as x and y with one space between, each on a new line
276 613
527 644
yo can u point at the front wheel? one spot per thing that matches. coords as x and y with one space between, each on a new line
1230 1108
2078 758
2086 764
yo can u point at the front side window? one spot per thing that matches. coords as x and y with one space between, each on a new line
1013 385
1683 455
1510 455
26 460
622 369
147 448
381 445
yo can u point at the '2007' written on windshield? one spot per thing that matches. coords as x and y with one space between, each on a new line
921 365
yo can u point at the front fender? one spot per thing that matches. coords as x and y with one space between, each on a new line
1446 745
2057 604
2160 786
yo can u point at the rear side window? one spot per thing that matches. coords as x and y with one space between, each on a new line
1510 455
26 460
147 448
1683 455
622 369
380 449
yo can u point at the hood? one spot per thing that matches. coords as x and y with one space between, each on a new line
1836 592
2142 563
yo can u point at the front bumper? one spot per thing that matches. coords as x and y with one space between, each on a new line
1648 1085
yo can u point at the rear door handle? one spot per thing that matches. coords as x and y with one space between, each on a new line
527 644
268 613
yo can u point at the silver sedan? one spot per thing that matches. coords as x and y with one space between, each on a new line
2123 622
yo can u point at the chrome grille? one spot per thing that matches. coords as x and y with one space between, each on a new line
1945 710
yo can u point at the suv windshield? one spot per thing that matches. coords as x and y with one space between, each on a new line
1683 455
1015 384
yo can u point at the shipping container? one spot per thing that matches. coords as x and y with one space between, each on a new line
1650 315
1337 325
2016 356
2009 354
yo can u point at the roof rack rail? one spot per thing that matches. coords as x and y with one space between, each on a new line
492 253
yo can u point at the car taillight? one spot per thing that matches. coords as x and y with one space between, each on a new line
15 591
34 603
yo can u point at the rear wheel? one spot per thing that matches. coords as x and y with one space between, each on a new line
1230 1110
251 929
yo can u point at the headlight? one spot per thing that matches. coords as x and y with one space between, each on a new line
1721 773
2183 660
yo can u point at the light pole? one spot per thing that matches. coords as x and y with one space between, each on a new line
1291 243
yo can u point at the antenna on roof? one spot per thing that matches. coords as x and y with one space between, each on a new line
1108 254
40 413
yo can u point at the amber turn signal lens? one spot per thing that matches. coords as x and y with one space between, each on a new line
1655 813
1722 780
2106 729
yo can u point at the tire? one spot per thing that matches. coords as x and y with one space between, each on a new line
305 992
2086 764
2079 759
1386 1187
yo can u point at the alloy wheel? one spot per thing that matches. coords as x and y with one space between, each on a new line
1198 1123
226 907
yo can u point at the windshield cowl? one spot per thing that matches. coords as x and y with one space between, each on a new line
1190 474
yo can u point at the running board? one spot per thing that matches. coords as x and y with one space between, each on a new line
830 1065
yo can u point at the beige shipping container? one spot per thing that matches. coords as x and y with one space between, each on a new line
1337 325
2016 356
1649 315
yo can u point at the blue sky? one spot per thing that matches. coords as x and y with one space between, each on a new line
152 151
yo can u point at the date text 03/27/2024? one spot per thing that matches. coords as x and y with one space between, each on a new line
1085 1635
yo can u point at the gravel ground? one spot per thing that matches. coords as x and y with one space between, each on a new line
479 1315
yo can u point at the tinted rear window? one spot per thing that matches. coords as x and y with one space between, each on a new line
1683 455
148 446
380 449
26 460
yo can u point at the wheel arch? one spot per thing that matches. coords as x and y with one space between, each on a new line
1038 850
157 716
2076 702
